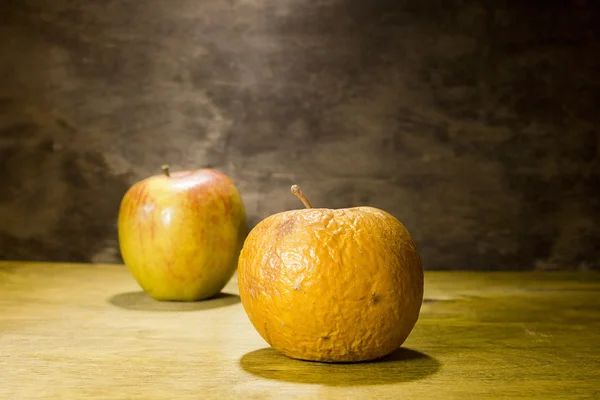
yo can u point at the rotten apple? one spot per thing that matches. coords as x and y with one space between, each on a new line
180 233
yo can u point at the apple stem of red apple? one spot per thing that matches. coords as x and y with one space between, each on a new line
298 193
165 170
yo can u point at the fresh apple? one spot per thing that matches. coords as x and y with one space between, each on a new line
180 234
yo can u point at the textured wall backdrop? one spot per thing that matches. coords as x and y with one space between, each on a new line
474 122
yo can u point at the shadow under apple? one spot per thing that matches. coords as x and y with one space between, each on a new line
141 301
403 365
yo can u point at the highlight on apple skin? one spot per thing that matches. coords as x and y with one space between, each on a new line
180 233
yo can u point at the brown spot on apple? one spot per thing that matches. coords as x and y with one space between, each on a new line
375 298
286 226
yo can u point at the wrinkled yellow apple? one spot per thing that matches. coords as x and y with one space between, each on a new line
333 285
180 233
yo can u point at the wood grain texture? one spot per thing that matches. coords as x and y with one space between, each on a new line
70 331
474 122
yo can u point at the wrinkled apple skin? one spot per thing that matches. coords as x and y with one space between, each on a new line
181 235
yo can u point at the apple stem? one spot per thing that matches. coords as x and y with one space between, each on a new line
165 170
298 193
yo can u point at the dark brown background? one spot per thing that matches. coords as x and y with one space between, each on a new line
474 122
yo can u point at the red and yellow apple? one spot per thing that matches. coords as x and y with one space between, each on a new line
180 234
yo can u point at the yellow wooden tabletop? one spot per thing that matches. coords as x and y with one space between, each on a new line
75 331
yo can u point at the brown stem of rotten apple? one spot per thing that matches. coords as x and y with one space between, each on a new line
298 193
165 170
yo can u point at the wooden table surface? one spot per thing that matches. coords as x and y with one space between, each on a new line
87 331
